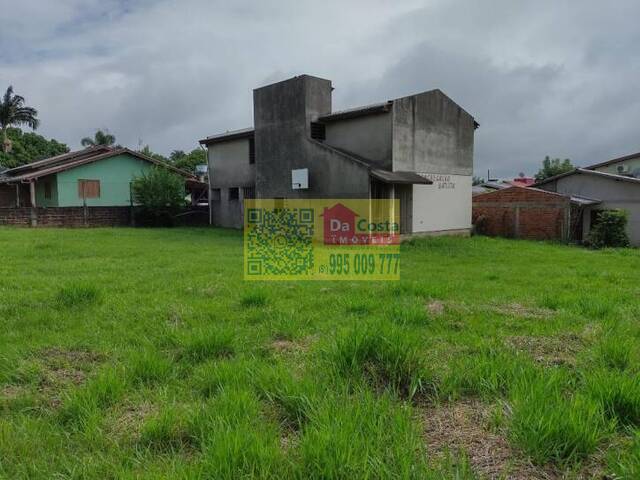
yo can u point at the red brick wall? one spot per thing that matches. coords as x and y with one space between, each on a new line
521 212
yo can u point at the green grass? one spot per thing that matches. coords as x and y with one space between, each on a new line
143 354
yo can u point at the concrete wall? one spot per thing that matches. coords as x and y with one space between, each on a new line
282 117
115 175
229 167
613 194
431 133
368 136
445 205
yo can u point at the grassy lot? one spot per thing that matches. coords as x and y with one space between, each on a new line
143 354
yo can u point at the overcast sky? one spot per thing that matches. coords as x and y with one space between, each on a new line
541 77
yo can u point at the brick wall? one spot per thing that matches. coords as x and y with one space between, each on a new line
89 217
66 216
519 212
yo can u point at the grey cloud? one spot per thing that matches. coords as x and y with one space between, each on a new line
542 78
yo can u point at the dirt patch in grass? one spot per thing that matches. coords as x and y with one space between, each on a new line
62 367
288 346
518 310
435 307
11 392
549 350
130 420
462 426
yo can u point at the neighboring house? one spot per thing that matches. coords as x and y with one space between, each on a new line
629 166
496 184
417 149
606 191
530 213
94 178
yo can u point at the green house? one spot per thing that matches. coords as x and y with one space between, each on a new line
93 177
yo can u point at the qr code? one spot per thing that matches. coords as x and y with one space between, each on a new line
279 241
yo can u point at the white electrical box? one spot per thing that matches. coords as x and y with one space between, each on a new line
300 179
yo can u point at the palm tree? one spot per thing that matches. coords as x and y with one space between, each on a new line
100 138
13 112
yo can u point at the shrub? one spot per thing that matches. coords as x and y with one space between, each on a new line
160 195
610 230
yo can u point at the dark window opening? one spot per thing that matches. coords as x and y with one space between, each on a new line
215 194
252 150
249 192
234 194
318 131
47 190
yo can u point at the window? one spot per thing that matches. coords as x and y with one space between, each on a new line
318 131
248 192
215 194
252 150
89 188
234 193
47 190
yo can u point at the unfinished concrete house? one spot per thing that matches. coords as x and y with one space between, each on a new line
417 149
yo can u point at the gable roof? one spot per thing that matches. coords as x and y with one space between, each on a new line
613 161
577 171
67 161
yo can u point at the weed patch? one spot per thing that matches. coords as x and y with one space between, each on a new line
385 355
345 434
99 393
77 296
252 299
552 425
618 394
203 344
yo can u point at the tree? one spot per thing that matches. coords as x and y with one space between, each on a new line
553 167
160 194
99 138
14 112
156 156
477 181
29 147
176 155
189 161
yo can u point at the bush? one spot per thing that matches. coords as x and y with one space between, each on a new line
160 195
610 230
